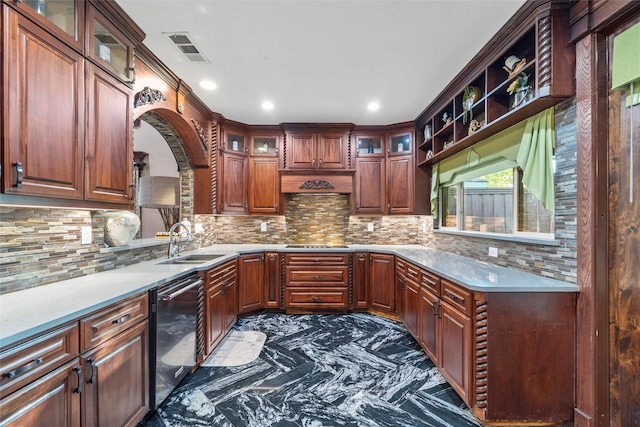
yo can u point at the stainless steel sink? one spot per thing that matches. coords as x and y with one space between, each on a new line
192 259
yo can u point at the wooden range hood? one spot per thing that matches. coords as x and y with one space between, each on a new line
315 181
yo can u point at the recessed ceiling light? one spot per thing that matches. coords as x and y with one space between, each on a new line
267 105
208 84
373 106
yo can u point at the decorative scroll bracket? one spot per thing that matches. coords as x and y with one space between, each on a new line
201 133
148 96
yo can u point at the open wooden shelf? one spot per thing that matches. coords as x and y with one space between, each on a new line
535 37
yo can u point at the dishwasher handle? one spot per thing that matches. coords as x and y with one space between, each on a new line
181 290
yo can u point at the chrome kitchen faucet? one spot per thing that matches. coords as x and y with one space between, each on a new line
175 249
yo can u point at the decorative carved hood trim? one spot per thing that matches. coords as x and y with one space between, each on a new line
305 181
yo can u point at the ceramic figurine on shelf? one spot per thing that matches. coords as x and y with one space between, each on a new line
513 65
474 126
427 132
446 118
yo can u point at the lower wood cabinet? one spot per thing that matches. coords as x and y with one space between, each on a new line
428 330
361 281
250 283
509 355
220 303
454 347
52 400
381 284
116 380
316 282
272 280
411 312
47 381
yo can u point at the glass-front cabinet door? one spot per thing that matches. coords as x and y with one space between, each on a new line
63 17
236 142
370 146
400 144
264 146
109 48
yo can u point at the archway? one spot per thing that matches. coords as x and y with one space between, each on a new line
175 140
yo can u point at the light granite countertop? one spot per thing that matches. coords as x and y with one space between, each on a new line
32 311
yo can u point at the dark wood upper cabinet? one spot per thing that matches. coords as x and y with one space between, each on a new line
43 112
400 190
233 173
62 18
67 111
109 148
317 148
264 180
108 47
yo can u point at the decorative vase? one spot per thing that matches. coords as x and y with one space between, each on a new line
521 95
120 227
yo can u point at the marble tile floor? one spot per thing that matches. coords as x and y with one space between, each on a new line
355 370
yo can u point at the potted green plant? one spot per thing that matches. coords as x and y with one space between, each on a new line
520 89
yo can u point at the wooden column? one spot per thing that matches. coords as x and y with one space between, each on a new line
592 324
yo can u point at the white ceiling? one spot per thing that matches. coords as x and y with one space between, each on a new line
321 60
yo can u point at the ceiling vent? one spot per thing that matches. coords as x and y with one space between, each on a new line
186 46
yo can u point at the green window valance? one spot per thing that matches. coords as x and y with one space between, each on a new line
626 64
528 144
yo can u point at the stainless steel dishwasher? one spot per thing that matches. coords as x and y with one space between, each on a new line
173 311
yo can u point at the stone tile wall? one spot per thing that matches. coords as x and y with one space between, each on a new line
40 246
558 262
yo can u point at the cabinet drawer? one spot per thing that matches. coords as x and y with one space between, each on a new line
413 273
321 298
317 259
456 296
401 265
325 276
109 322
28 361
220 274
431 282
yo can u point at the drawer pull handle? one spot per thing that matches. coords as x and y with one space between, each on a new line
454 297
317 277
23 369
19 174
316 299
435 308
92 364
78 371
316 260
121 320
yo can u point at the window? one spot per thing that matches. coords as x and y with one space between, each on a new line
497 202
503 184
